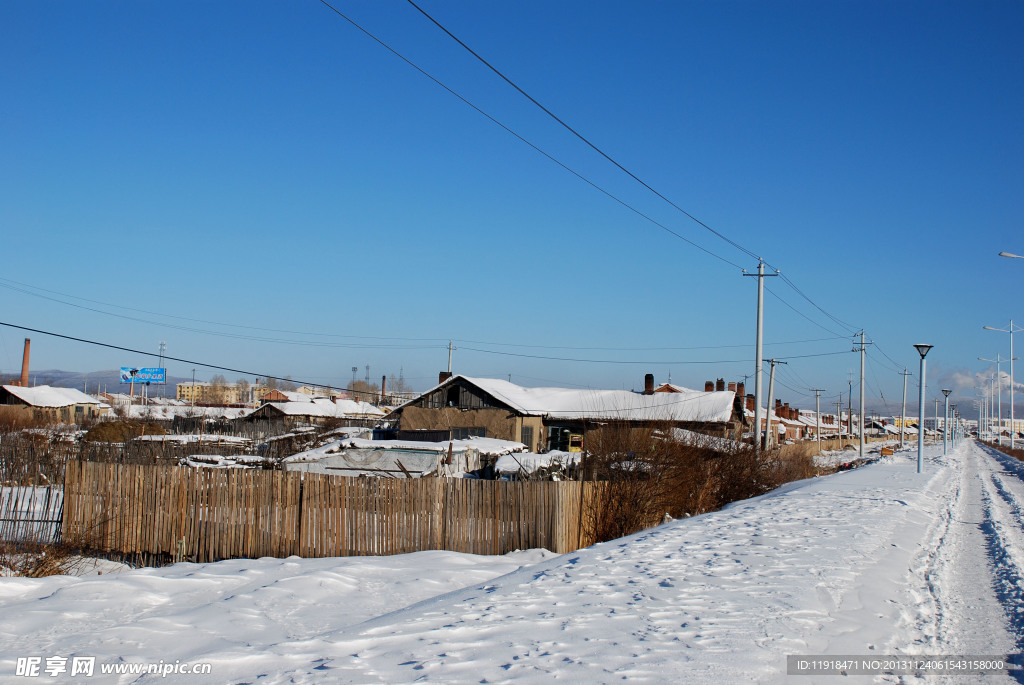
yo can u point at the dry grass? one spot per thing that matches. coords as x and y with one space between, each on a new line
650 476
17 418
1017 453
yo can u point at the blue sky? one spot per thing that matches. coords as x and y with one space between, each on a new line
265 187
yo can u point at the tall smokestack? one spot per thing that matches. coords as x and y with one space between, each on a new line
383 388
24 364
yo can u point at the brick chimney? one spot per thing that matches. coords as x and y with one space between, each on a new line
709 386
720 384
740 389
24 364
648 383
443 376
732 387
787 412
750 402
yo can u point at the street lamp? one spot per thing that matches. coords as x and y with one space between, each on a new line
945 421
953 409
922 350
1011 330
999 393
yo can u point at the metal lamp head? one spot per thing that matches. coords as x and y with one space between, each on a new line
946 393
922 349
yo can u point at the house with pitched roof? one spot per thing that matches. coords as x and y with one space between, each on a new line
557 418
54 404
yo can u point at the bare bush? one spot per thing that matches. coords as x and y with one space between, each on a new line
654 472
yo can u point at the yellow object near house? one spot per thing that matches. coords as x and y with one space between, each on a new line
575 443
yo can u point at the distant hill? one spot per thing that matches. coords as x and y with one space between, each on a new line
95 381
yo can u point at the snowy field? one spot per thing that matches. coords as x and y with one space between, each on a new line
875 561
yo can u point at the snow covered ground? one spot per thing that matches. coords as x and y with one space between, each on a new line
875 561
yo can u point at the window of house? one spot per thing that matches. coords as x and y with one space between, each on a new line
466 433
526 437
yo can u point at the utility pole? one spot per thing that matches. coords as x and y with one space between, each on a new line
160 364
817 414
758 347
903 411
861 349
839 419
450 348
849 403
768 440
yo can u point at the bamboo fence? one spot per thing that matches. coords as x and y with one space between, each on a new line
212 514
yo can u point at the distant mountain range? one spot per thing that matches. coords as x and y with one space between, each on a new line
96 381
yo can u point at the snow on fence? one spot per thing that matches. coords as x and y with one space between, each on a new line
212 514
31 514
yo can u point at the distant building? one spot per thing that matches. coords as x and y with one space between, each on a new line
201 392
54 404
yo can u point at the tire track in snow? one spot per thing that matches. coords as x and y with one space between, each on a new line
1003 502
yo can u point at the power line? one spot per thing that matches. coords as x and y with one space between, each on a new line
799 313
27 289
576 133
524 140
648 362
174 359
619 166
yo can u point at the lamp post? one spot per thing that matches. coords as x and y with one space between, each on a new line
922 350
953 408
999 394
945 421
1010 330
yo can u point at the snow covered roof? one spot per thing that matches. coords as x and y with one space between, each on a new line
565 403
167 412
47 396
325 408
529 462
296 396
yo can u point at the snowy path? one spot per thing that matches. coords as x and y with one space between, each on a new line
880 560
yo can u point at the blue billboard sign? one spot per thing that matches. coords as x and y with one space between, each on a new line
151 375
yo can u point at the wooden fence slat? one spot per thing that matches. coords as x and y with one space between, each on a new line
222 513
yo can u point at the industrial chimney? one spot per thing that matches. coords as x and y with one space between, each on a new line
24 364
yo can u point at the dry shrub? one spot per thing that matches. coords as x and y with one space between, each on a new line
18 418
652 472
1016 453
